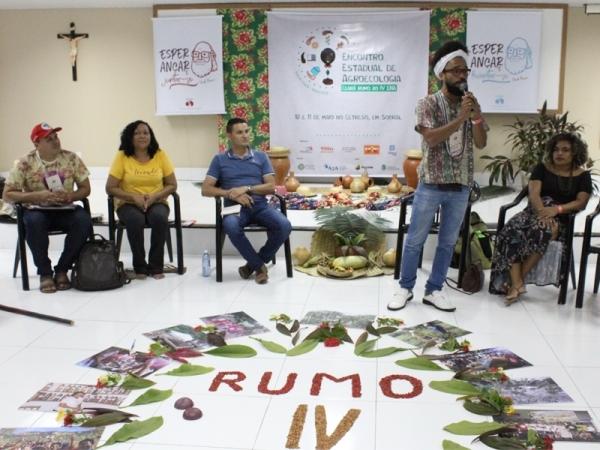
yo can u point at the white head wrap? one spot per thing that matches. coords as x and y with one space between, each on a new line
439 67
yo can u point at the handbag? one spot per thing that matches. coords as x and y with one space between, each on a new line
97 267
472 280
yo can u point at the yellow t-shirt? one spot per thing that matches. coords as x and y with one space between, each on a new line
141 178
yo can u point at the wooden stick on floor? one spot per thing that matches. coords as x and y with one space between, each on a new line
36 315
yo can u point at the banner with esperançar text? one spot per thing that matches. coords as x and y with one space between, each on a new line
343 88
504 58
188 62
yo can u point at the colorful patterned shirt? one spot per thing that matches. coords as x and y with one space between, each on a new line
29 172
438 166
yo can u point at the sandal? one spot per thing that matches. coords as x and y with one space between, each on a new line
516 293
170 268
47 285
62 282
158 276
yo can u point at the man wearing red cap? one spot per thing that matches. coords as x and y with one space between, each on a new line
44 180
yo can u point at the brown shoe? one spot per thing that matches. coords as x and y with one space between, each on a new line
262 275
245 271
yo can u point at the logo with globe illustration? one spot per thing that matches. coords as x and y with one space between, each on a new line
317 56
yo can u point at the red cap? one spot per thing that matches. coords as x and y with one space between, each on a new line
42 130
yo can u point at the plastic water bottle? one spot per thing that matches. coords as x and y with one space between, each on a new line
206 264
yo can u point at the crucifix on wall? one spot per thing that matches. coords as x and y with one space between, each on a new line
73 39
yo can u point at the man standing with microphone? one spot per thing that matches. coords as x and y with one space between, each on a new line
449 122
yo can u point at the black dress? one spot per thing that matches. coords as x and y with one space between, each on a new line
523 235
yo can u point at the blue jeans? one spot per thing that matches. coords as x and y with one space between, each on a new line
278 226
78 225
135 220
428 198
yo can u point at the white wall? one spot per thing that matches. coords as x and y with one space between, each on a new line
116 86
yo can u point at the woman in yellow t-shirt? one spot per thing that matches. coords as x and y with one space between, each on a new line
141 178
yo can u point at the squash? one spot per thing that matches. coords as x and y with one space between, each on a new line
356 262
389 257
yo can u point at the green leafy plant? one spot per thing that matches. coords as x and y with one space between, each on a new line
528 140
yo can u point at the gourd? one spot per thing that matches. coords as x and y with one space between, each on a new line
356 262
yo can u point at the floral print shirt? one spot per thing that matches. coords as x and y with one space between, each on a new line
29 172
437 166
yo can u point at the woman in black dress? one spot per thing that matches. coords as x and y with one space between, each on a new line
557 186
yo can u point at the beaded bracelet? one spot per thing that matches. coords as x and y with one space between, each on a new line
560 210
476 121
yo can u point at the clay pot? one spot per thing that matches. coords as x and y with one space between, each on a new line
366 180
279 157
347 181
291 183
357 186
412 161
395 185
337 182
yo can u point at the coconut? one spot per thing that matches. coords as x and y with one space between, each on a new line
300 256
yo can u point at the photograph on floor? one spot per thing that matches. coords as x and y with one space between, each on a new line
559 425
180 336
75 397
237 324
485 359
436 330
331 317
526 391
71 438
121 360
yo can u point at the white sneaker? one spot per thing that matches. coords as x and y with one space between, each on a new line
437 300
400 299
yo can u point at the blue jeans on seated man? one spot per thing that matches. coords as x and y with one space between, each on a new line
428 198
278 226
78 225
135 220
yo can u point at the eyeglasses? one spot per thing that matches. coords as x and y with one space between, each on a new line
458 72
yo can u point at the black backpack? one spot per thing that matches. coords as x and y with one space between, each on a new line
97 267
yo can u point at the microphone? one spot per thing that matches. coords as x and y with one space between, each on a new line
464 87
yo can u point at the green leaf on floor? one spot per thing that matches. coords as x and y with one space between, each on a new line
449 445
303 347
151 396
188 370
134 382
271 346
466 428
457 387
232 351
382 352
418 364
135 429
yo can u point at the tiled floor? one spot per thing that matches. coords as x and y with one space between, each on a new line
559 341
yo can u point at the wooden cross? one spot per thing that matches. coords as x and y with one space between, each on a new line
73 38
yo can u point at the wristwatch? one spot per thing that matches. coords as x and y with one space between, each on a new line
249 190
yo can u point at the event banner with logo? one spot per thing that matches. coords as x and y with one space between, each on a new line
188 62
343 89
504 53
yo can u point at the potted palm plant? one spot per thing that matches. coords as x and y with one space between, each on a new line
528 142
353 232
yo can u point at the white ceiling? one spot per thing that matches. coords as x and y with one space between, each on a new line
52 4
